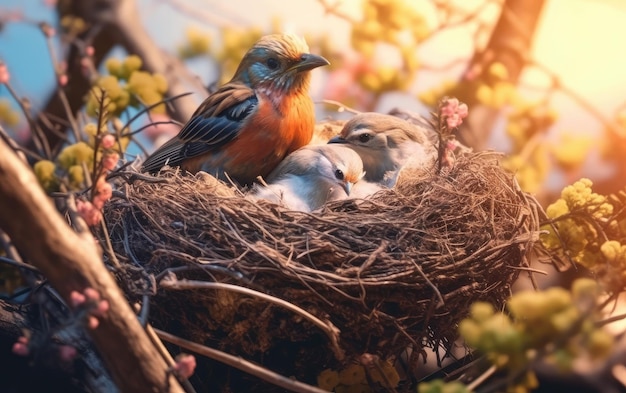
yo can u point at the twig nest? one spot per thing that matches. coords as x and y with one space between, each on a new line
397 270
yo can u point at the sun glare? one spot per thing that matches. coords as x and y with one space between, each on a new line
582 42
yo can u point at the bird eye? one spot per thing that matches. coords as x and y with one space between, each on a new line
339 174
272 63
364 137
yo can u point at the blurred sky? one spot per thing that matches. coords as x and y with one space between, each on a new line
580 40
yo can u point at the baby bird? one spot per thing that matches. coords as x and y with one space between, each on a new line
312 176
386 144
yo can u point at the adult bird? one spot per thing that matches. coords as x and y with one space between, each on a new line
312 176
386 144
246 127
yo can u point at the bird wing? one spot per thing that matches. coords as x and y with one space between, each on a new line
216 122
290 192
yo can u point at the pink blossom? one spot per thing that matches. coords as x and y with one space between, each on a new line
449 106
185 365
67 353
77 298
109 161
91 294
99 307
88 212
90 51
453 112
452 144
62 78
5 76
48 30
453 121
20 347
87 67
108 141
92 322
102 308
463 110
104 190
98 203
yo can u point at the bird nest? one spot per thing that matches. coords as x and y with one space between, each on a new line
376 276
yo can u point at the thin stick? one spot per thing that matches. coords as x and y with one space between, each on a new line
482 378
60 91
341 107
40 144
327 327
528 269
240 364
154 337
109 246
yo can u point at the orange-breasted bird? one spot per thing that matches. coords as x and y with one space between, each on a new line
312 176
245 128
386 144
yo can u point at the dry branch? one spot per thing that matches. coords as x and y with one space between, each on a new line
510 45
237 362
71 262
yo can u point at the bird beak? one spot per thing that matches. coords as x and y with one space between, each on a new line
337 139
308 62
347 186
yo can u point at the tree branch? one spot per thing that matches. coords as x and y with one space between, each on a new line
509 44
72 262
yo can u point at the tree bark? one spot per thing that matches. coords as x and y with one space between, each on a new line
72 262
509 44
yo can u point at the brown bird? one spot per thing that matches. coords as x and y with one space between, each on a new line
312 176
251 123
386 144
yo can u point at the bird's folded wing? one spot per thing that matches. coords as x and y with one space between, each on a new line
216 122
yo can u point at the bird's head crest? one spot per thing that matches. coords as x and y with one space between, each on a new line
278 63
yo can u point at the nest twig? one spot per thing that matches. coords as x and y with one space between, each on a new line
397 270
